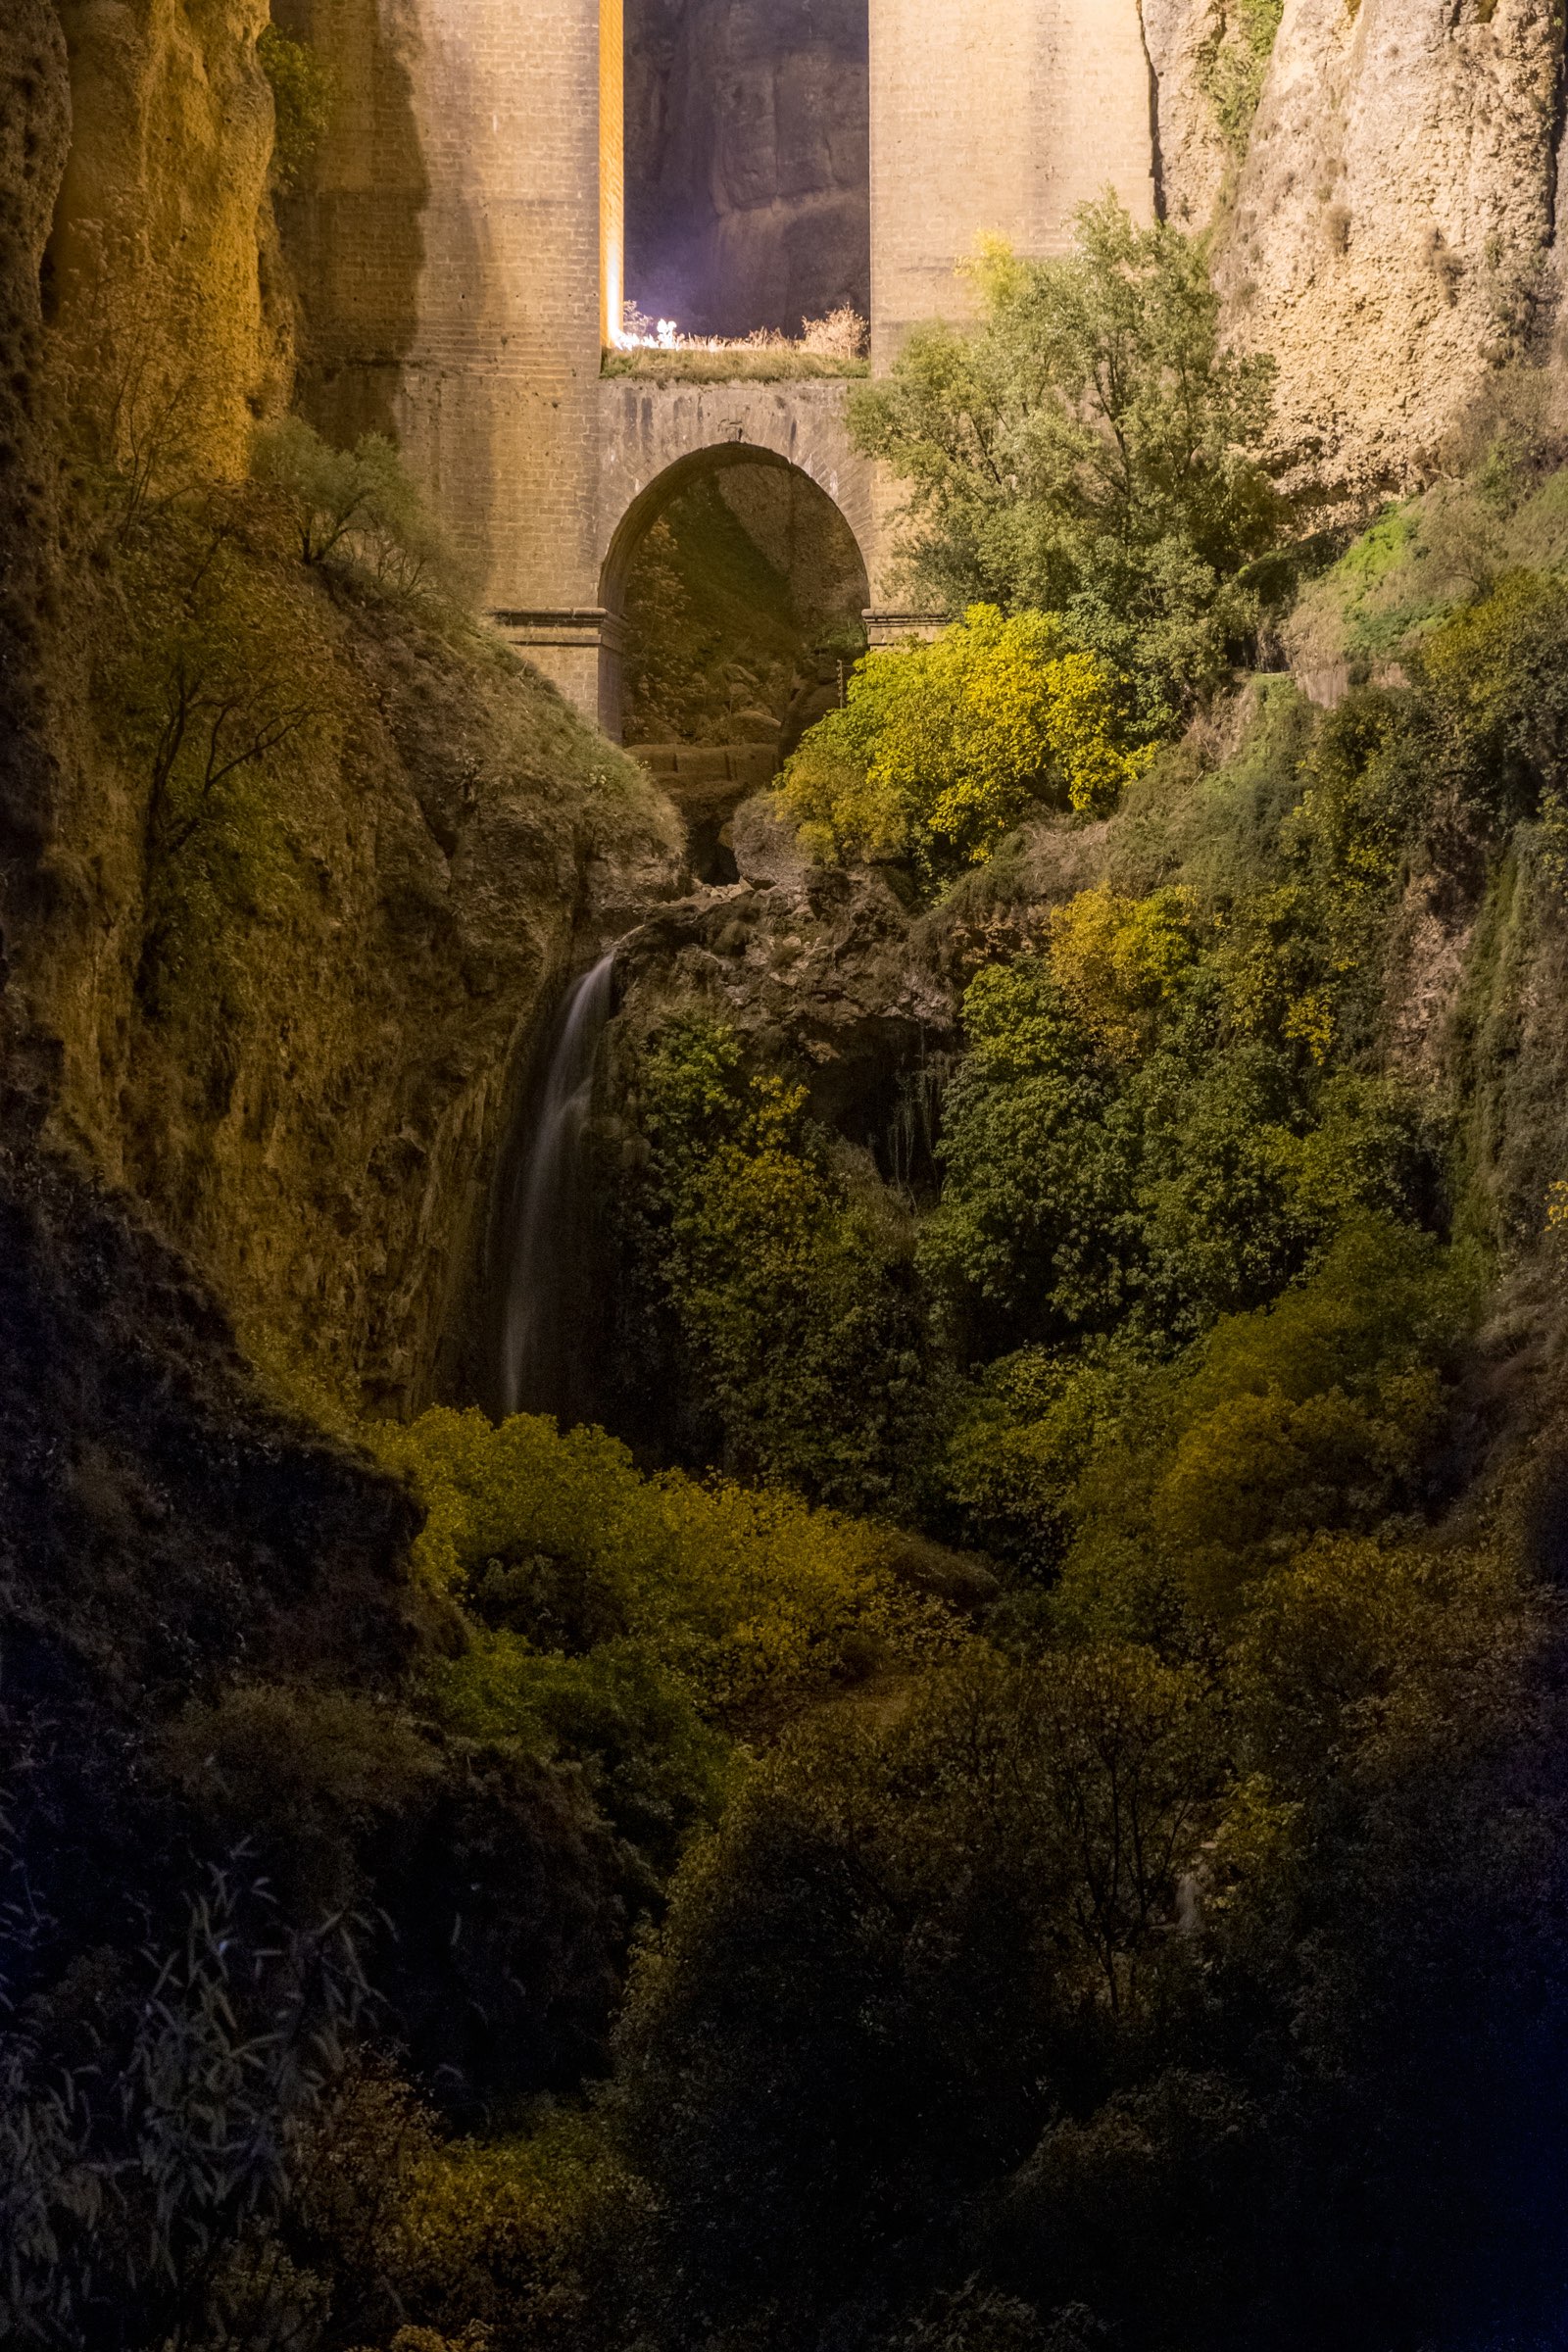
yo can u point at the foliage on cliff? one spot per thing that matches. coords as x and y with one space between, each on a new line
1094 450
940 749
328 837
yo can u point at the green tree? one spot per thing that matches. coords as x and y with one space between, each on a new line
1036 1233
940 749
774 1282
359 508
1092 449
910 1939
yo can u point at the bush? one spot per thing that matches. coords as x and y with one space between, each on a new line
751 1602
1036 1235
1317 1412
940 749
1120 962
357 508
766 1279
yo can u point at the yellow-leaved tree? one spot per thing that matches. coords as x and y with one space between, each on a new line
940 749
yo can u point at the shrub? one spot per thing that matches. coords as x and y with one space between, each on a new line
1233 59
304 92
751 1602
767 1280
1314 1413
1091 450
358 508
1121 961
1035 1233
940 749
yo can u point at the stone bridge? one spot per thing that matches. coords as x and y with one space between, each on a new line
459 261
654 439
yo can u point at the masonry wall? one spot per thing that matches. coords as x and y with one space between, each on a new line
995 117
448 255
989 118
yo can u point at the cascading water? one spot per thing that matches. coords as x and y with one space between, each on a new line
549 1230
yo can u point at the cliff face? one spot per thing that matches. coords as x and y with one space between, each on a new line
289 1014
1389 230
161 274
35 131
1382 174
283 1002
747 172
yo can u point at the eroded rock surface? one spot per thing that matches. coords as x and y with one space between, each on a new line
826 970
747 176
1393 230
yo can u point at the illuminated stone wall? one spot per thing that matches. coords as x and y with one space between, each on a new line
459 256
448 254
995 118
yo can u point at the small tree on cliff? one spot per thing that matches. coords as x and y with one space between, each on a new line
1089 449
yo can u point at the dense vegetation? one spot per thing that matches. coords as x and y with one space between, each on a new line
1030 1815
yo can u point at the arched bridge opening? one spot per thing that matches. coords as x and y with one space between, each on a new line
734 592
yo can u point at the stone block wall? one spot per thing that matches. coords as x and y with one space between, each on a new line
999 118
448 255
989 118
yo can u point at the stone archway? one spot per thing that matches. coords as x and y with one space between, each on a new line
657 440
724 635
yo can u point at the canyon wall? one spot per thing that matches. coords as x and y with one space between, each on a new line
290 1020
309 1082
1386 223
745 154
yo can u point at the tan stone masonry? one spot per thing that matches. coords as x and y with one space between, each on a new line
459 263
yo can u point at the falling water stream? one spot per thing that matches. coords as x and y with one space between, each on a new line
549 1228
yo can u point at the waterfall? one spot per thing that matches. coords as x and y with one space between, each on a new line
548 1230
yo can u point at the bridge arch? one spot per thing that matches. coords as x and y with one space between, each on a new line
658 441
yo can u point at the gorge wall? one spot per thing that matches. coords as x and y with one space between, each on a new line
1386 218
291 1025
746 153
1382 174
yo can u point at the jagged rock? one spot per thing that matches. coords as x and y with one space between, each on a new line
819 967
747 176
1191 156
160 1523
765 847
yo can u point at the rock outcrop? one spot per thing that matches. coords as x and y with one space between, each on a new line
1390 233
34 135
747 171
825 971
162 273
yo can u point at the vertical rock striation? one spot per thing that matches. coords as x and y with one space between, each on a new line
1390 232
747 175
35 131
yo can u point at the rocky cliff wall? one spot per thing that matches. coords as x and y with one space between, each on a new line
1388 220
34 135
162 277
747 172
286 1008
